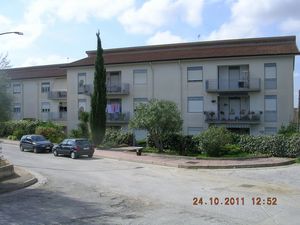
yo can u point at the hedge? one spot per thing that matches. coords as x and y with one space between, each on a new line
117 137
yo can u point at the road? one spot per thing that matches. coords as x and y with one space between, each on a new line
105 191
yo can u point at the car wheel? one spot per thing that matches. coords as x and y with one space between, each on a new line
73 155
35 150
55 153
21 148
90 155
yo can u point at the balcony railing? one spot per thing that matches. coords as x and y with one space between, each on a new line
117 117
54 116
122 89
249 85
57 95
245 118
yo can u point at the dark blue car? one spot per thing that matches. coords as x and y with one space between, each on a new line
35 143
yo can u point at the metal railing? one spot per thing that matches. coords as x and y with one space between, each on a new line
54 116
117 117
242 117
57 95
122 89
252 84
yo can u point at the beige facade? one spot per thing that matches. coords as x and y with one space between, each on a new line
244 85
169 81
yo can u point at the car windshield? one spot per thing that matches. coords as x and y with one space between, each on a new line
38 138
82 142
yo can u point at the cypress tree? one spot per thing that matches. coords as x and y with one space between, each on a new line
98 99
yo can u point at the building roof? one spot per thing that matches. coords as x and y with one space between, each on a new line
285 45
46 71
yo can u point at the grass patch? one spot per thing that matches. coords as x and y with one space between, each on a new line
298 160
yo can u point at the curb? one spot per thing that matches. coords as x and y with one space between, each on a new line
6 171
21 185
183 166
138 161
285 163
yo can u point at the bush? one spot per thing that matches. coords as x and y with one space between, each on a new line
288 130
275 145
12 137
76 133
181 144
53 133
213 141
115 137
293 146
18 128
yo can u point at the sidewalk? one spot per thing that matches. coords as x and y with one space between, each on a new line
192 163
20 179
127 154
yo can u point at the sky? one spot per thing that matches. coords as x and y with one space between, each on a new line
60 31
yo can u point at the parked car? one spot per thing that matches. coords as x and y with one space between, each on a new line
74 148
36 143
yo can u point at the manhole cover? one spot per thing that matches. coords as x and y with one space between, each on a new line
192 162
247 185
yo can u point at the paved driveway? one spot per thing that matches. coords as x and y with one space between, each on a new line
104 191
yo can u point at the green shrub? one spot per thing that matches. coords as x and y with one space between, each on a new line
213 141
76 133
115 137
53 133
288 130
275 145
12 137
19 133
293 147
181 144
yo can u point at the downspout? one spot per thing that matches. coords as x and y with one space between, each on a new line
152 80
181 90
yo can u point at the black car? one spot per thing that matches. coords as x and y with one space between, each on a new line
74 148
36 143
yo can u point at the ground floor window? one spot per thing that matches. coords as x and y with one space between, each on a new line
270 130
194 130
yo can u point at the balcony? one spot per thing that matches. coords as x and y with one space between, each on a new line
117 118
250 85
252 117
122 89
57 95
58 116
54 116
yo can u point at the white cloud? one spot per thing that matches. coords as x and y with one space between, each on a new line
46 60
248 18
164 38
155 14
290 25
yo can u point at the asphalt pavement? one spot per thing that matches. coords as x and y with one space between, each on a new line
109 191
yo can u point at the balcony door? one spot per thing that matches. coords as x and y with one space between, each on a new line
234 108
234 77
113 81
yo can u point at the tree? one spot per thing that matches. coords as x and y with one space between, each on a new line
5 98
160 118
98 99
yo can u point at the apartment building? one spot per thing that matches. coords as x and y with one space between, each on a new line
39 92
245 85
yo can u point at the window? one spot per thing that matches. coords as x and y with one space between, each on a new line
81 82
270 130
195 104
82 105
270 108
16 88
45 107
194 130
195 74
137 101
140 76
45 87
17 108
270 76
